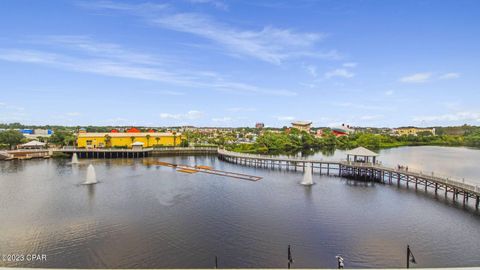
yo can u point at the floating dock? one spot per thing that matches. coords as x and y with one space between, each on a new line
204 169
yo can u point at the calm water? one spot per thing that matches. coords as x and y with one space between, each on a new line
147 216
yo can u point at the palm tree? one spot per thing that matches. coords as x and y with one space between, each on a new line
157 139
108 141
133 139
148 139
174 138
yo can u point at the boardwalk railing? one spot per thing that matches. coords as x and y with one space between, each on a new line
185 148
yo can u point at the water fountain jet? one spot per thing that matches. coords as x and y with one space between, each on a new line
307 176
91 176
75 159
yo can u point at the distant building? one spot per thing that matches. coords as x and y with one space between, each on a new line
302 125
26 131
413 131
259 125
343 130
33 134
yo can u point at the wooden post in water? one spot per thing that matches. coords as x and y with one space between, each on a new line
289 258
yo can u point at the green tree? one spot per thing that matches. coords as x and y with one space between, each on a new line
11 138
157 139
132 138
62 138
108 141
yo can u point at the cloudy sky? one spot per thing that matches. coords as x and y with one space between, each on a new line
234 63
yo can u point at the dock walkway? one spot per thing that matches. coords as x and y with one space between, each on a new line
362 171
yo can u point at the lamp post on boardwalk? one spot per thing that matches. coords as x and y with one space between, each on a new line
290 258
216 262
410 257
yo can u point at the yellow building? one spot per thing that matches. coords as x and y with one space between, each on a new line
413 131
118 139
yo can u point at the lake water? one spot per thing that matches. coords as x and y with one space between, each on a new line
142 216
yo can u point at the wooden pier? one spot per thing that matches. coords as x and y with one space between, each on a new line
364 172
25 154
204 169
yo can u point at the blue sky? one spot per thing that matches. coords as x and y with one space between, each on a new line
234 63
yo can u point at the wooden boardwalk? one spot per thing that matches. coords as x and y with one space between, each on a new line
363 171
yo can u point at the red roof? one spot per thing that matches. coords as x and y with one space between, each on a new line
114 131
151 131
133 130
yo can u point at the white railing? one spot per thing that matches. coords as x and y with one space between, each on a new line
186 148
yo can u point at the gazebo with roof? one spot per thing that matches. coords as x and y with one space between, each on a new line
32 145
362 154
137 146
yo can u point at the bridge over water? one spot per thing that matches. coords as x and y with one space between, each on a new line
368 171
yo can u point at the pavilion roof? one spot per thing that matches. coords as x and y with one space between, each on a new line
137 144
301 123
33 143
362 151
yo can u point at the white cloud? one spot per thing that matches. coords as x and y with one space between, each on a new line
389 92
190 115
371 117
417 78
340 72
350 65
112 60
312 70
270 44
222 119
216 3
458 116
140 8
449 76
361 106
285 118
241 109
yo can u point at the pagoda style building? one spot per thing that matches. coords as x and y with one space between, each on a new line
302 125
